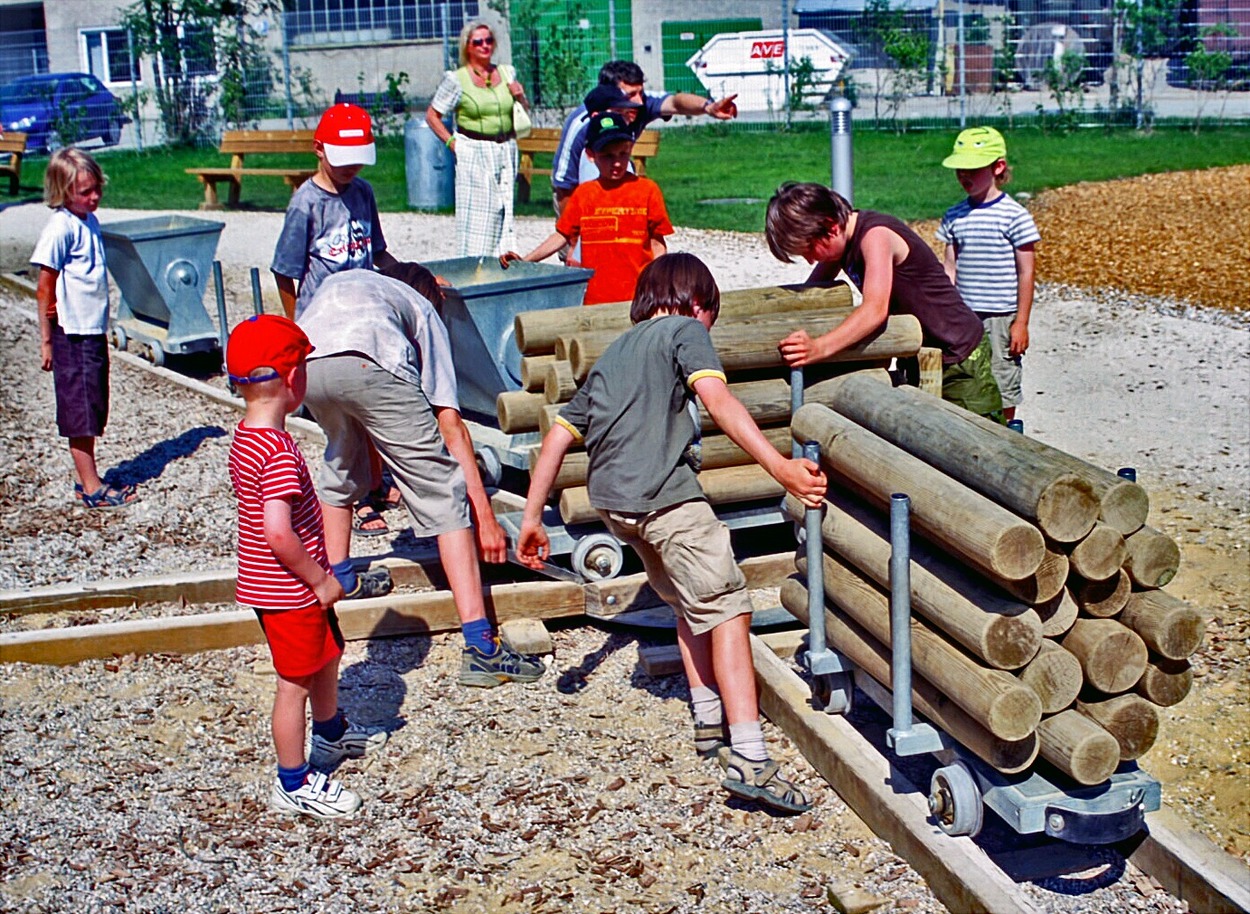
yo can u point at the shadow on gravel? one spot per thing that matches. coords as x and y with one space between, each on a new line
373 690
151 463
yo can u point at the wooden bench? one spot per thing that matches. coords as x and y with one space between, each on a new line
544 140
12 148
241 143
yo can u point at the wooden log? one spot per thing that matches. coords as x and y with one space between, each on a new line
1165 682
561 347
1057 614
1102 599
930 359
593 343
1078 747
536 331
767 400
534 371
519 410
949 513
998 701
1004 633
1153 558
1055 675
1042 585
754 345
1123 505
559 384
1170 627
1007 756
396 614
1024 480
1112 657
1189 866
1131 719
1100 554
718 451
961 875
728 485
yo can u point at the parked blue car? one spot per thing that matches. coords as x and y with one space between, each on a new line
56 109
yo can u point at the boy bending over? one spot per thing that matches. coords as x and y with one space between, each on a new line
632 415
898 274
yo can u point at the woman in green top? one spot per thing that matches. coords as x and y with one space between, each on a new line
483 95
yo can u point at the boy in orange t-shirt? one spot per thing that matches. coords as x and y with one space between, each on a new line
619 217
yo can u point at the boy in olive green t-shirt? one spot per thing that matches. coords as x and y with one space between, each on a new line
632 413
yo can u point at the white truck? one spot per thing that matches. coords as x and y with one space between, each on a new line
752 65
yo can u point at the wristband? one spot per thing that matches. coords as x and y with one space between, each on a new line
451 138
707 106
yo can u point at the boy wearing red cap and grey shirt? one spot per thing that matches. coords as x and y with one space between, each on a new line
283 572
332 220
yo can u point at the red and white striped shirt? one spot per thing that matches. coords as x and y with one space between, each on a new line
265 464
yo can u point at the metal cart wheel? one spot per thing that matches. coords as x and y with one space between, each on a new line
598 557
489 466
833 693
117 336
154 353
955 800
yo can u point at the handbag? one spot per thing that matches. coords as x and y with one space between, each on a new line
521 123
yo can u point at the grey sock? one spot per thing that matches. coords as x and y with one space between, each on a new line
747 739
705 704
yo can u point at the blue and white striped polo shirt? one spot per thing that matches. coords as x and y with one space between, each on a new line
985 239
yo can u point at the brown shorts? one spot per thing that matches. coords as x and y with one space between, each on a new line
689 561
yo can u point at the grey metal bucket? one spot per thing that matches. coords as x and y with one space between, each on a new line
161 265
480 314
429 167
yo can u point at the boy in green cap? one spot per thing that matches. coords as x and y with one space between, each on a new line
990 241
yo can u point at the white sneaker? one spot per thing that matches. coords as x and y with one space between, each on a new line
356 741
318 797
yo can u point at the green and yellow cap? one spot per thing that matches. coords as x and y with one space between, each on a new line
977 147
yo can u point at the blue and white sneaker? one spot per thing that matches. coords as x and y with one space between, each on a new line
318 797
504 665
356 742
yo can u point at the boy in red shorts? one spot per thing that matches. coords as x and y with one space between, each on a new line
283 571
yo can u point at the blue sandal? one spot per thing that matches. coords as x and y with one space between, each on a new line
105 497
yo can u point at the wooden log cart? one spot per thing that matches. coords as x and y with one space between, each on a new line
544 140
240 143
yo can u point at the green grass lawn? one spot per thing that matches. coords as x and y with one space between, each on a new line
899 174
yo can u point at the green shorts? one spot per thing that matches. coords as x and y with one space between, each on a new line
971 384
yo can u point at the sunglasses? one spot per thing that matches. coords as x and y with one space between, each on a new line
482 42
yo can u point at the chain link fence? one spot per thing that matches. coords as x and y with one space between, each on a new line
904 64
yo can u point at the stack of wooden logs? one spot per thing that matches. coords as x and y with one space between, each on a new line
1038 624
559 346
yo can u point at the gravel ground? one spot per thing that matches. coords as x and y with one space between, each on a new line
139 783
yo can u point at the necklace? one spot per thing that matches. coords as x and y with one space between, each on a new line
483 75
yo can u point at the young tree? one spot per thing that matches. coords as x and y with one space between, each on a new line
188 40
1207 66
887 32
1149 30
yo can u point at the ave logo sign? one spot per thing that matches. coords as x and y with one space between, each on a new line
767 50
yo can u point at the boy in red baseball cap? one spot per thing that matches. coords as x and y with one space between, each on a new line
284 574
332 220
